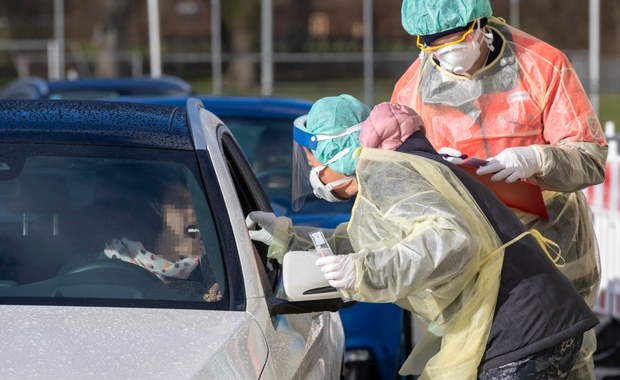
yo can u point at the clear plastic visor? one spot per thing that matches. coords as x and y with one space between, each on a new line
301 186
305 140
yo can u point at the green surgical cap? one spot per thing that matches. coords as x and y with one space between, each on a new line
331 116
424 17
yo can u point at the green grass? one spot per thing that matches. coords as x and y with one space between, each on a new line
308 90
610 109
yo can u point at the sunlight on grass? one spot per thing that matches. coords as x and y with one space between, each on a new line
308 90
610 109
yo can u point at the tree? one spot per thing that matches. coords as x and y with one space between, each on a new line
241 23
106 35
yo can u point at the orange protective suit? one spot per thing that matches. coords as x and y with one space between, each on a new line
529 95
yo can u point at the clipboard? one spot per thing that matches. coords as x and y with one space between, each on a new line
522 195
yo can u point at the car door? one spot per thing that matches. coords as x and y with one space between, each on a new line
307 345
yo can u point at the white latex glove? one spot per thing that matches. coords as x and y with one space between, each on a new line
265 220
339 270
452 155
512 164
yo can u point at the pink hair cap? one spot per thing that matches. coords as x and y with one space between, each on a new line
389 125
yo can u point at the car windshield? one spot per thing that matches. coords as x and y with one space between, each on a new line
268 146
84 95
106 226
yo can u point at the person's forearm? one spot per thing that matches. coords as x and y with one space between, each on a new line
571 166
288 237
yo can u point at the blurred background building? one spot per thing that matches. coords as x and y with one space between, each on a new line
317 47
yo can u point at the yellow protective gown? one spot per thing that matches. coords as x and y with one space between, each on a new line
529 95
426 246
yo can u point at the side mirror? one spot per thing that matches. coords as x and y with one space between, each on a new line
305 287
303 280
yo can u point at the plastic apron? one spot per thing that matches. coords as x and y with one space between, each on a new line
456 299
425 245
529 95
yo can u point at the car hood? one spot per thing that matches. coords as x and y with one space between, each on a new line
54 342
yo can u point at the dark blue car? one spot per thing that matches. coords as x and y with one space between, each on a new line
377 335
96 88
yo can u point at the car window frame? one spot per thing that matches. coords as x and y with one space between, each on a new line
250 200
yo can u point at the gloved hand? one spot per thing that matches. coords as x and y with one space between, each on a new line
452 155
339 270
265 220
512 164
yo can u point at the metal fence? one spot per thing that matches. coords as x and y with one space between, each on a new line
609 70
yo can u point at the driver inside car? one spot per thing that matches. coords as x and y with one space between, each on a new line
178 247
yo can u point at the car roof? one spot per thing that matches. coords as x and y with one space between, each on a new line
94 123
238 106
120 86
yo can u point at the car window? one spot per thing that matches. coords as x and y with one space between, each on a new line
268 145
18 96
84 94
102 225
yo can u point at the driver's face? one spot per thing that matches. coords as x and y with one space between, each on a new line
174 242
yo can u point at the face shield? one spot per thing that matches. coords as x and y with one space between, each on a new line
306 179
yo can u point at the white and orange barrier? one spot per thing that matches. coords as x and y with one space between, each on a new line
604 200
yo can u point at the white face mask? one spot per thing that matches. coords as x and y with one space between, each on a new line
322 190
459 58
